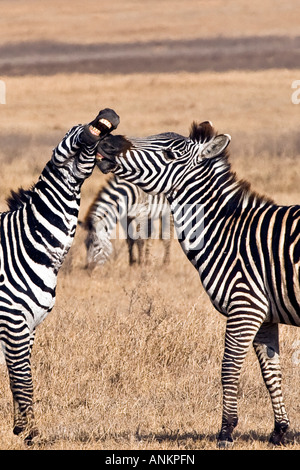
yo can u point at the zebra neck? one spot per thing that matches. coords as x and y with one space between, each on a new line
106 210
105 216
209 198
55 206
63 174
112 204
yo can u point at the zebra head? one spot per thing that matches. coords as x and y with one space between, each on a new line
98 245
160 163
80 163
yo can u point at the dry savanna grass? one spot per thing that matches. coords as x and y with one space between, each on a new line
132 20
254 107
131 358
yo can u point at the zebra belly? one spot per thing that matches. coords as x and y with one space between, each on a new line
32 313
282 286
281 306
27 301
39 313
285 305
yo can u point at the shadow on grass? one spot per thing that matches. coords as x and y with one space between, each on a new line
184 439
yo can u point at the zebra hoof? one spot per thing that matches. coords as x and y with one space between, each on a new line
277 437
276 440
30 439
18 430
225 440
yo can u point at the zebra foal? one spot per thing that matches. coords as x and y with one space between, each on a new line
245 248
124 202
35 236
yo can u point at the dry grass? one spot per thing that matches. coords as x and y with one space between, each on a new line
256 103
260 117
130 358
133 20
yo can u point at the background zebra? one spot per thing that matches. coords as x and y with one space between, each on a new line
36 234
123 202
245 248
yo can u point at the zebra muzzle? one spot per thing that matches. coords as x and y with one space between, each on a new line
106 123
93 130
103 126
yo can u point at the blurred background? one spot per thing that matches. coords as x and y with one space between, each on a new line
160 64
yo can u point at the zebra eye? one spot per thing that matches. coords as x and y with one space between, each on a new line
107 147
168 154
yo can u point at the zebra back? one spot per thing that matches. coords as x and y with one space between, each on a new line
137 212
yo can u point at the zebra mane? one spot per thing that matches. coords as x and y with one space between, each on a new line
18 199
204 132
246 192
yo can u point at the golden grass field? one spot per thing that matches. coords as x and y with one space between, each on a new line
132 20
130 358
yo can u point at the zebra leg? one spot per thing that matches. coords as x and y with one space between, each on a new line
140 246
142 240
167 249
240 332
31 341
266 346
130 244
19 369
148 239
165 235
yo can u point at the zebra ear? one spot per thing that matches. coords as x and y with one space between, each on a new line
216 146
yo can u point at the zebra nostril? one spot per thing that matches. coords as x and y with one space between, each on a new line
99 157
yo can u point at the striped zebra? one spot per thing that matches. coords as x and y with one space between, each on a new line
136 211
245 248
36 234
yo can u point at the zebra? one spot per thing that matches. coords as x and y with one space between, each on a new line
36 234
244 246
119 200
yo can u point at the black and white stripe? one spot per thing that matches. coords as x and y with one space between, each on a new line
36 234
245 248
137 212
